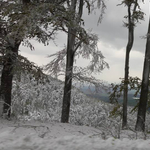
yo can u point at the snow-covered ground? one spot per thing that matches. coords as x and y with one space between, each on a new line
92 125
57 136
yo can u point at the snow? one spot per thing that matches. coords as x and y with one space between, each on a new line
35 135
37 109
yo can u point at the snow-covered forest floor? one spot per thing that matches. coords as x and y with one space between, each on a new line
57 136
35 122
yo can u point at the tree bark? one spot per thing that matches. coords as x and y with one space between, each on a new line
126 76
69 62
125 94
140 124
6 79
68 76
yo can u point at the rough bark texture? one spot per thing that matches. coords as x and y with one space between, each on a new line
126 76
6 79
140 124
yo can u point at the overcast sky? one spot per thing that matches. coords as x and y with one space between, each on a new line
112 42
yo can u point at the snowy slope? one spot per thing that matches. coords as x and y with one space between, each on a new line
42 100
91 126
57 136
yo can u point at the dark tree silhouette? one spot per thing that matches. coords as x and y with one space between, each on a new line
133 17
140 124
69 62
7 76
128 49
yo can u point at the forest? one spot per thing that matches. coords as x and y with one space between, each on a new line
29 92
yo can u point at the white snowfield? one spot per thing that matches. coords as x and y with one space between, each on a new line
57 136
32 142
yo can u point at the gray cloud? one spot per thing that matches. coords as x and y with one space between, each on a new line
113 40
111 30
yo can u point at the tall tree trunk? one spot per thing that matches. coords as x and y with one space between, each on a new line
126 76
140 124
69 62
6 79
125 94
6 86
68 76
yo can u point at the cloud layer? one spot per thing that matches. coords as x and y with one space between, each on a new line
113 40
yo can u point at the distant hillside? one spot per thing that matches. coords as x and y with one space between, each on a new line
104 96
42 100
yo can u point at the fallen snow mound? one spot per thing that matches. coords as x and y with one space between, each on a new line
57 136
32 142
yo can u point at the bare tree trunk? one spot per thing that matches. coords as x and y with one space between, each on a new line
68 76
125 94
126 76
69 63
140 124
6 86
6 79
